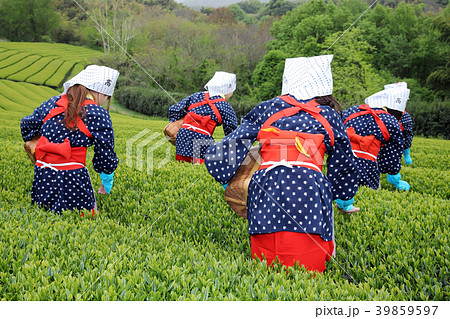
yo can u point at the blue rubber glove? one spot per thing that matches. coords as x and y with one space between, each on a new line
107 181
407 156
224 185
345 204
397 182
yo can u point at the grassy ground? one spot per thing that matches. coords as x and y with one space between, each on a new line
169 235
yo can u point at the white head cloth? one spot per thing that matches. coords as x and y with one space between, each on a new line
96 78
221 83
306 78
394 96
396 85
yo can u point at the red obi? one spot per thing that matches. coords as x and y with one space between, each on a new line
62 156
199 123
367 147
292 148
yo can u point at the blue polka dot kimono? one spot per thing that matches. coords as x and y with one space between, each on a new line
407 124
389 157
59 190
194 144
281 198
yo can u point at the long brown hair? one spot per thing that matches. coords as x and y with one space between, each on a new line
330 101
76 96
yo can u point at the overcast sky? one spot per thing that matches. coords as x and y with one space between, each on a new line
211 3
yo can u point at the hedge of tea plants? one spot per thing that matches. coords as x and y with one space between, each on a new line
42 63
169 235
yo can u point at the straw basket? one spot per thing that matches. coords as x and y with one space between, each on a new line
237 189
30 147
171 130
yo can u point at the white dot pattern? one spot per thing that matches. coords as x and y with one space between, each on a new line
389 157
70 189
407 124
294 199
194 144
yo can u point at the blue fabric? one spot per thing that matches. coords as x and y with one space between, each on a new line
345 204
408 134
397 182
296 199
390 155
407 156
225 186
70 189
194 144
107 181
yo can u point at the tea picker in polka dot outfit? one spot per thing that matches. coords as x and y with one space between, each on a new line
202 112
289 206
406 125
68 124
376 137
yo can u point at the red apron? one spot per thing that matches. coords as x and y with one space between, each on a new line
62 156
199 123
292 148
367 147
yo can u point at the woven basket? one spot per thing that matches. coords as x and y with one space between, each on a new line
237 189
171 130
30 147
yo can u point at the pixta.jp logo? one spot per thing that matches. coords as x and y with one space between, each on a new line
152 150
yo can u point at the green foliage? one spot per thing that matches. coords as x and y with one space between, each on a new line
238 13
277 8
354 78
385 44
251 6
430 118
268 75
27 20
151 102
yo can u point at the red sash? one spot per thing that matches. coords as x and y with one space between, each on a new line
62 156
291 148
199 123
367 147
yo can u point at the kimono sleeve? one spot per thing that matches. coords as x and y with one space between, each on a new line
389 158
179 110
407 124
31 125
342 171
224 158
105 159
229 119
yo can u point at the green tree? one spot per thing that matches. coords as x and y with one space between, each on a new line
277 8
27 20
251 6
238 13
268 75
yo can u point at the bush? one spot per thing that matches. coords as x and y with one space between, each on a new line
430 118
149 101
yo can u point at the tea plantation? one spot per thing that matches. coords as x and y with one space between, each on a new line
166 233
